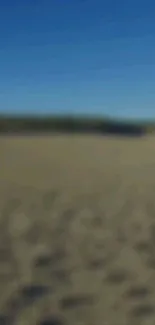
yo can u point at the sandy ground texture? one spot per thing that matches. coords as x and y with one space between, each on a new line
77 230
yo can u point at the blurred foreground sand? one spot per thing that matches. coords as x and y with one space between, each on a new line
77 230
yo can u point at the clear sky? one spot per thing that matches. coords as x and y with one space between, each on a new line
78 56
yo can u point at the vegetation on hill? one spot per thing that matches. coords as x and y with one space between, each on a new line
70 124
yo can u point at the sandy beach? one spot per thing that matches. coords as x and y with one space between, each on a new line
77 230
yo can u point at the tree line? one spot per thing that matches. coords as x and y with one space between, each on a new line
70 124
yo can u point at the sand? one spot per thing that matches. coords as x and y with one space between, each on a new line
77 230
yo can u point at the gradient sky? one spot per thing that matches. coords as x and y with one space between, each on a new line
78 56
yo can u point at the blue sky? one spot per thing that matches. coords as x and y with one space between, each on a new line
78 56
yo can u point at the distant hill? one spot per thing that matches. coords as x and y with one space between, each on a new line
71 124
